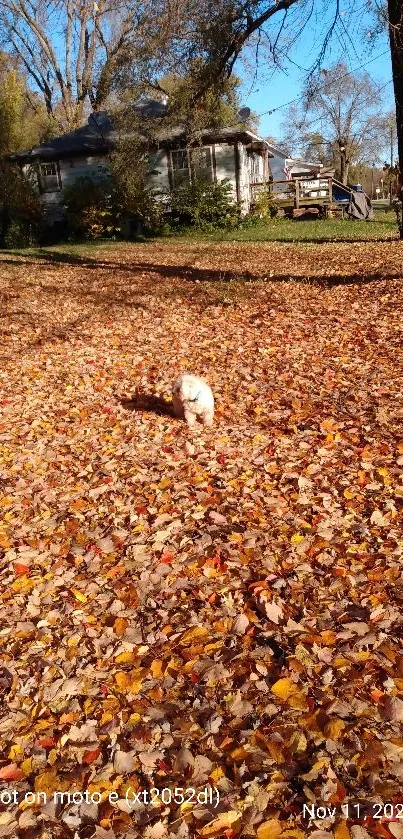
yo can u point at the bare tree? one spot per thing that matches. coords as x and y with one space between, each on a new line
341 112
67 48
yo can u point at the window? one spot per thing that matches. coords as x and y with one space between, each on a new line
256 170
180 166
49 177
201 162
190 164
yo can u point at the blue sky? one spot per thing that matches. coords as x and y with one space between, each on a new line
351 43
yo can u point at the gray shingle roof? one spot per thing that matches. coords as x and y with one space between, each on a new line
98 136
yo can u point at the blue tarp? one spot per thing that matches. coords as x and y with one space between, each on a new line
341 193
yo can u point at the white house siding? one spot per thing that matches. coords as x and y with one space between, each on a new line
225 164
277 165
71 169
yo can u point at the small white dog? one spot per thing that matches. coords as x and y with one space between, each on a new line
192 397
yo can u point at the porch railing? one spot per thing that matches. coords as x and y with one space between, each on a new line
295 193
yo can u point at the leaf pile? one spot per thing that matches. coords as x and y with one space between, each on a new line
221 609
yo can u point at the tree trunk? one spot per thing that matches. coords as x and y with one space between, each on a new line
5 221
395 13
343 167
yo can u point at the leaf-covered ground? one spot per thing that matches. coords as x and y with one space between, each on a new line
213 611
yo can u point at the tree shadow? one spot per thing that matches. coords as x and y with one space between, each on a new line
149 403
187 273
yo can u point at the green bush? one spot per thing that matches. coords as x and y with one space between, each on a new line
92 208
103 208
20 212
265 205
204 205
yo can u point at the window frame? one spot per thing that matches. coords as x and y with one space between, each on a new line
191 169
180 174
55 185
208 168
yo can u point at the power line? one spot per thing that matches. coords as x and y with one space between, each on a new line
350 73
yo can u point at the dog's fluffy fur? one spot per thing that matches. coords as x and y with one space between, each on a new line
192 398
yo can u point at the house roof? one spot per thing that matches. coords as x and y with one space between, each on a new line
292 161
297 161
276 150
98 136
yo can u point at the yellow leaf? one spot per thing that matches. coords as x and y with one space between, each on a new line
287 689
302 654
79 595
49 782
298 742
210 648
156 669
297 538
334 729
26 766
328 425
269 830
341 662
122 680
363 655
126 658
16 753
224 821
341 831
24 584
284 688
188 667
216 774
328 636
197 633
294 833
130 682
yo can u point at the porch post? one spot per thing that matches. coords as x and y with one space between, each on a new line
237 153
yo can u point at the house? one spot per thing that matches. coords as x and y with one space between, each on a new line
232 153
284 167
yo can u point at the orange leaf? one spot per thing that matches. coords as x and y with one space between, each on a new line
89 757
11 772
120 626
46 742
20 569
376 694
